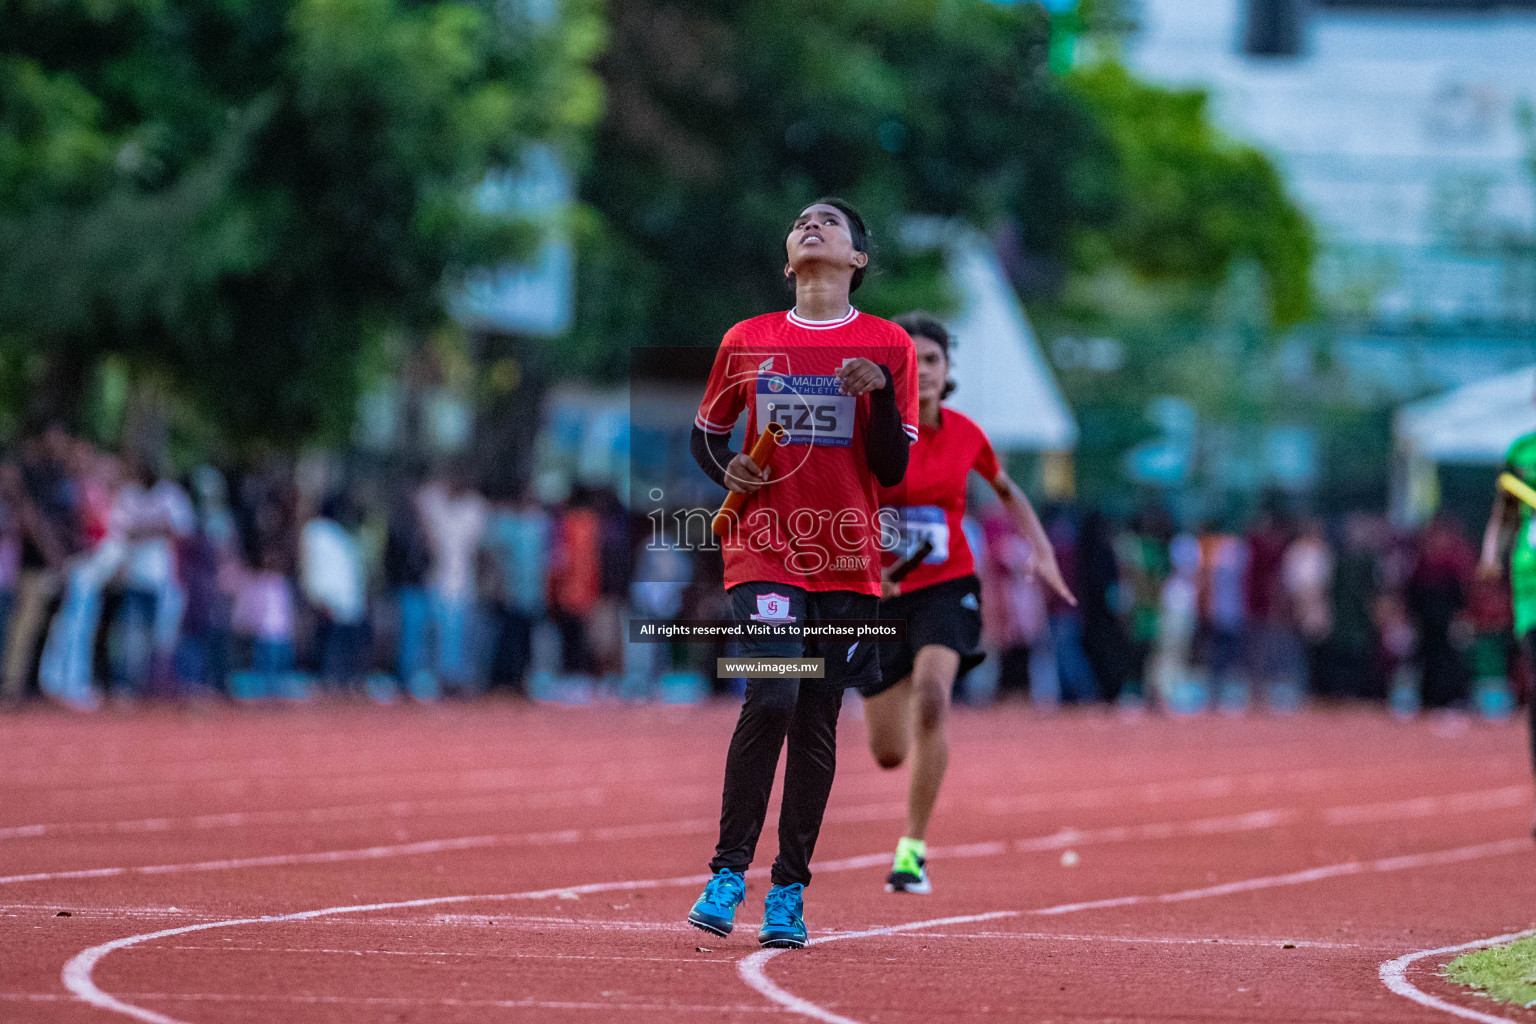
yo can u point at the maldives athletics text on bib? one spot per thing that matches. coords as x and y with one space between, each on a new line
812 409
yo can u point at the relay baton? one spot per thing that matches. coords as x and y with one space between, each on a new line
902 569
761 452
1519 488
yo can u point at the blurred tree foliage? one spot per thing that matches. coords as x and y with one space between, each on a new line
1193 203
1206 262
726 117
242 198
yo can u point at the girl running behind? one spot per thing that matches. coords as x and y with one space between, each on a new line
940 600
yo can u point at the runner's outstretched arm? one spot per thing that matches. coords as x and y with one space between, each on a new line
1504 515
1023 515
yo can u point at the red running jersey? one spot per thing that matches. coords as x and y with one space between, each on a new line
930 503
814 525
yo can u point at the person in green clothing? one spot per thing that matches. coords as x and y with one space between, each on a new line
1510 513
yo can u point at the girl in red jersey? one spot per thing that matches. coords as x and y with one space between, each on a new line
805 548
940 599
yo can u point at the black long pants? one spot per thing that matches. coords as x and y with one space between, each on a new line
775 708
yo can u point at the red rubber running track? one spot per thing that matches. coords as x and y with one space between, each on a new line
500 862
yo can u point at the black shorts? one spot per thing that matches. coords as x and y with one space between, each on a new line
846 663
946 614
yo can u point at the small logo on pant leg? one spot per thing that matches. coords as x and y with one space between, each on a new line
969 601
772 608
851 648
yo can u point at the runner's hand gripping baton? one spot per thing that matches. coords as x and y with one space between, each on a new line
902 569
761 453
1519 488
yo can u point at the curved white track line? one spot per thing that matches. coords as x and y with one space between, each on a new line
77 972
1394 974
752 969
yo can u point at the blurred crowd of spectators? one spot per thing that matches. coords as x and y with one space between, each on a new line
120 583
1273 610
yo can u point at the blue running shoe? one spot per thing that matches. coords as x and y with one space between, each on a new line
783 917
715 912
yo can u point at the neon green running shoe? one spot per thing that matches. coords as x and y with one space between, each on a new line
909 868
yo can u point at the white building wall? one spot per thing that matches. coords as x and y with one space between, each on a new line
1387 125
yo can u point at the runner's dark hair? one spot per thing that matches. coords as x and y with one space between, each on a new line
919 324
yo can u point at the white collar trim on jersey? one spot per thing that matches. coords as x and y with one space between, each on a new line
821 325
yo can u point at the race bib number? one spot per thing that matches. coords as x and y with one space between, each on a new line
812 409
918 523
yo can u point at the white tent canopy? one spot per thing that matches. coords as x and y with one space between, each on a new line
1473 424
1003 381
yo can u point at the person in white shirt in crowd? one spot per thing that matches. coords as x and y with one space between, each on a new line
453 518
1306 574
332 578
66 671
151 515
1171 672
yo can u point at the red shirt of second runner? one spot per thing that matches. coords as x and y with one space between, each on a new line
930 503
814 525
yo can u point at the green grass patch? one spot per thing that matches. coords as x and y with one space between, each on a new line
1505 973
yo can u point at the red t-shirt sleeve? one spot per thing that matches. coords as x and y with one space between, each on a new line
986 459
725 396
904 381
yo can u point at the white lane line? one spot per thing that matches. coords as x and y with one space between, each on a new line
541 922
1061 839
611 833
589 796
128 769
1394 974
478 955
1147 793
604 773
1146 940
77 972
1151 794
664 928
1431 806
534 922
426 846
752 969
382 1001
1304 780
